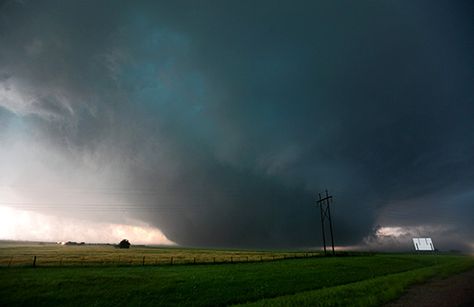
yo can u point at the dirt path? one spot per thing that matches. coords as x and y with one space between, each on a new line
456 290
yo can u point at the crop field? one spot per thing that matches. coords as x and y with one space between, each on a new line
49 254
360 280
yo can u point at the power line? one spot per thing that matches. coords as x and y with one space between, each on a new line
324 206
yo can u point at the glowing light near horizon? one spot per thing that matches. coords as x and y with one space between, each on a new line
409 231
394 237
26 225
391 232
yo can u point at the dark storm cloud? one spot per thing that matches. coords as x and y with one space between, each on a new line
229 117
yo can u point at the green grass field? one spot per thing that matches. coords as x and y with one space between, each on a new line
325 281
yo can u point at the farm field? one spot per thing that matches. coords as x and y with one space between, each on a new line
331 281
50 254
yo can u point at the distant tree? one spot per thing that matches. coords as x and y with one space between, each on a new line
124 244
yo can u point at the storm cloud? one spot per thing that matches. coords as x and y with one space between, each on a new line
219 122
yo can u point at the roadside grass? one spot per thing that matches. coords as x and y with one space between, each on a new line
307 281
372 292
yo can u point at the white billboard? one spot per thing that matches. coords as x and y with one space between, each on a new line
423 244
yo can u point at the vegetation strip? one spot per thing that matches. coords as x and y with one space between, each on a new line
372 292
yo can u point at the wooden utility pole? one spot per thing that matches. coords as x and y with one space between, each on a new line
324 206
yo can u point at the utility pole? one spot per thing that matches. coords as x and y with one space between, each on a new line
324 206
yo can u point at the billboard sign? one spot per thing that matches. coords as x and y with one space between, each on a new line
423 244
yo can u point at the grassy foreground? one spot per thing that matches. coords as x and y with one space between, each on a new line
340 281
372 292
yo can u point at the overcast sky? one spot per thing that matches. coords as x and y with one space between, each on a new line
218 122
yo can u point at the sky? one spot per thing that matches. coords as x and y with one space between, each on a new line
217 123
